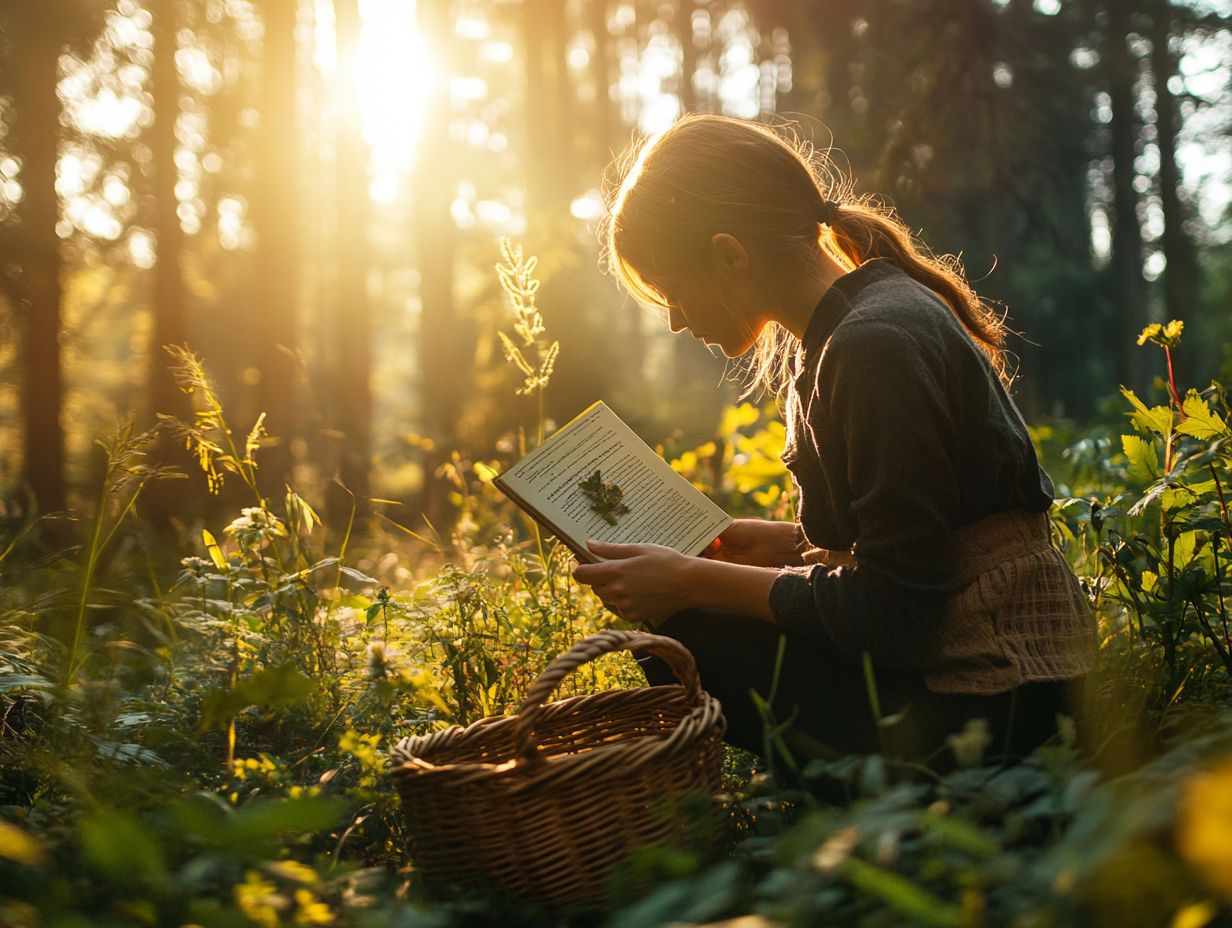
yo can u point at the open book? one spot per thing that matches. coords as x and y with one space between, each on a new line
594 478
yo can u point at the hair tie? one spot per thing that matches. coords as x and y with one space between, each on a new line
825 215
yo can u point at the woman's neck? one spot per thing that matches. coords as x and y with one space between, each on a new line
797 307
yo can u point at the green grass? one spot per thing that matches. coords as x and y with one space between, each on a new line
198 736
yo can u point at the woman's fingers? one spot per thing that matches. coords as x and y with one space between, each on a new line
614 551
592 574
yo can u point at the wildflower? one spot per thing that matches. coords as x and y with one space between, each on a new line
1165 336
379 660
196 565
1204 825
260 900
255 526
308 911
16 845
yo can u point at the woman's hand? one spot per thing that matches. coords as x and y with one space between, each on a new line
640 583
759 543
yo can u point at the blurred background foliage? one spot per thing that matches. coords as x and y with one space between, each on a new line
312 194
309 194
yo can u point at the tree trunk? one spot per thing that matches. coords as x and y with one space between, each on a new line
564 94
169 296
688 54
34 138
352 322
601 66
1121 72
274 217
543 154
1180 275
444 364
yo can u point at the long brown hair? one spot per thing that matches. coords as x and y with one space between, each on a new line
707 174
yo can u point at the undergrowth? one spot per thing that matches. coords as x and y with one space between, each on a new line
207 746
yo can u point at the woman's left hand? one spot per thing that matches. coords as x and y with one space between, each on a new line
640 583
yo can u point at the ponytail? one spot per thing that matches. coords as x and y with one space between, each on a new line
863 229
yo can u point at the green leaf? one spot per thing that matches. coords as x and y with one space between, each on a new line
17 681
213 550
278 686
1174 498
121 849
900 893
960 835
1200 422
266 818
1184 549
358 575
1142 455
1157 419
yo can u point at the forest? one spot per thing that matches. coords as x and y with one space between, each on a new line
284 284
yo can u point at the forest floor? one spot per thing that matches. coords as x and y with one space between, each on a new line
197 732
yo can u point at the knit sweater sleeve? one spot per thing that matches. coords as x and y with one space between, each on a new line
882 399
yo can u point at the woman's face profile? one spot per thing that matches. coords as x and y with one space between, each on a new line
714 314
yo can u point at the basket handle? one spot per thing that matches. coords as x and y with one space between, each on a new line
675 654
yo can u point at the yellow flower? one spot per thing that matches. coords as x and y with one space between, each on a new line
259 900
16 845
1204 825
310 912
1165 336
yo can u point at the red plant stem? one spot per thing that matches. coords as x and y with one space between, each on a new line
1223 503
1176 396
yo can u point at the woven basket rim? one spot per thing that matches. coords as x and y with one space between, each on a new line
703 715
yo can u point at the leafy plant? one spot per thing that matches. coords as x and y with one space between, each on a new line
211 751
607 499
1161 549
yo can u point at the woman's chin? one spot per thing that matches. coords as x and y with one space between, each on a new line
729 351
734 352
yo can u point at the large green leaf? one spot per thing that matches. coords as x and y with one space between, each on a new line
1199 421
277 686
1142 455
120 848
1157 419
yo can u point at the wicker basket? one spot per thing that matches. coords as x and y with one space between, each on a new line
541 805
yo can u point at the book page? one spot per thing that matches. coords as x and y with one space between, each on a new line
664 508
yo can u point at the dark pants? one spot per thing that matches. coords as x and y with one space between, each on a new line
829 697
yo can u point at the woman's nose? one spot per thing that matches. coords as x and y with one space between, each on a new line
675 320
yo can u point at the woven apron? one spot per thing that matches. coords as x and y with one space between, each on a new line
1018 614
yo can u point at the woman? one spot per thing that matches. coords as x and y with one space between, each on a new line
922 542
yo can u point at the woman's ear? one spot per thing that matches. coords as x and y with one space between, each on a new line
728 252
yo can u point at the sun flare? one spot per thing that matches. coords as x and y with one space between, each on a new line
394 74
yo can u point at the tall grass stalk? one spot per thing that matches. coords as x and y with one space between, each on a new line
124 476
516 274
209 436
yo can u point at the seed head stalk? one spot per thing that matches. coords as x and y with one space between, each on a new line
531 353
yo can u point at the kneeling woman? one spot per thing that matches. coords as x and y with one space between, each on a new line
923 540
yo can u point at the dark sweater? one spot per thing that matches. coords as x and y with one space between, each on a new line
899 432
